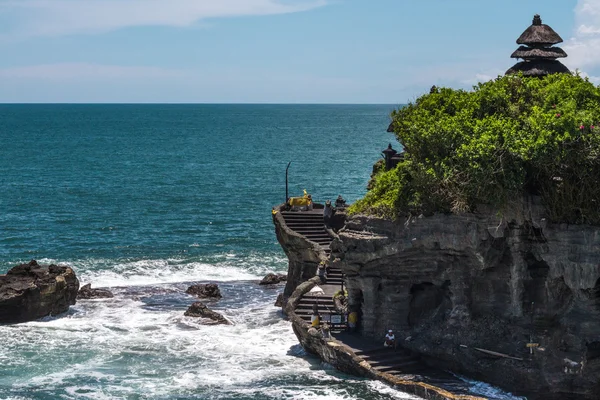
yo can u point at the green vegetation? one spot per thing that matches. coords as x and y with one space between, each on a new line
506 137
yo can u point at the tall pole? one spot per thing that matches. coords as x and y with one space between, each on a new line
287 197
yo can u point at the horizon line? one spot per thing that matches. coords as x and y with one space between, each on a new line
198 103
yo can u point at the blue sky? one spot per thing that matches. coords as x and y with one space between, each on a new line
271 51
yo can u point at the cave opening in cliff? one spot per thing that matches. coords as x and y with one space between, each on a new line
425 301
595 296
355 303
593 351
535 297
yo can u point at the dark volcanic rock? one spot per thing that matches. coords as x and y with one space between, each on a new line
454 283
31 291
209 290
280 300
199 310
273 279
86 292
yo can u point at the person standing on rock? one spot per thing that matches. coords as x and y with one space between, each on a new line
390 339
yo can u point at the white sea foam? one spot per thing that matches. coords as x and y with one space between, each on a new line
140 344
126 346
489 391
226 268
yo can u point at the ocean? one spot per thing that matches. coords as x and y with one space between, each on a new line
148 199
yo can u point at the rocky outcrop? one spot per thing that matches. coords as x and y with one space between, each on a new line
458 283
209 290
343 358
199 310
279 302
86 293
31 291
273 279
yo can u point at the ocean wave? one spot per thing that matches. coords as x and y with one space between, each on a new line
224 267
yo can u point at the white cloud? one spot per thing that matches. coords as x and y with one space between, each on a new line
584 47
63 17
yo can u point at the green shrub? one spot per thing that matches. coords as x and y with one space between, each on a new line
506 137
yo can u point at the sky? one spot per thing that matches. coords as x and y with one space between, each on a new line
271 51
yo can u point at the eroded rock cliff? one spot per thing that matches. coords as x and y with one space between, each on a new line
453 283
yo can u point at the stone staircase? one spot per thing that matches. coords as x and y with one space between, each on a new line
402 363
309 224
392 361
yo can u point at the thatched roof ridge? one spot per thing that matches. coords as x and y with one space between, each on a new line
538 68
550 53
539 34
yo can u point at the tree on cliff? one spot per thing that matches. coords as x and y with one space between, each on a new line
507 137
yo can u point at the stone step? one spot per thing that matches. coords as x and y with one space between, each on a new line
317 235
307 227
309 311
305 217
396 367
303 213
309 306
391 360
323 240
322 234
322 300
418 367
385 353
319 221
372 352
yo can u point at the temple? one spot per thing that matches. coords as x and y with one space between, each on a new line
538 52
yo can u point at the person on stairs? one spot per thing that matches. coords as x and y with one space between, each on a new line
390 339
328 213
322 271
315 318
352 320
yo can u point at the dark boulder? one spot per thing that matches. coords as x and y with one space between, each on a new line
86 292
280 300
199 310
209 290
32 291
273 279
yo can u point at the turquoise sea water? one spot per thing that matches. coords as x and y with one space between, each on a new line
145 199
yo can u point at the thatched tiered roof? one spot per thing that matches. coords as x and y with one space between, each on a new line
539 34
551 53
538 54
538 68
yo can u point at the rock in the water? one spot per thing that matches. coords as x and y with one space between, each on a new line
199 310
273 279
210 290
86 292
31 291
280 300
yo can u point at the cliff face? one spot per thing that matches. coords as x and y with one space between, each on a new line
484 281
